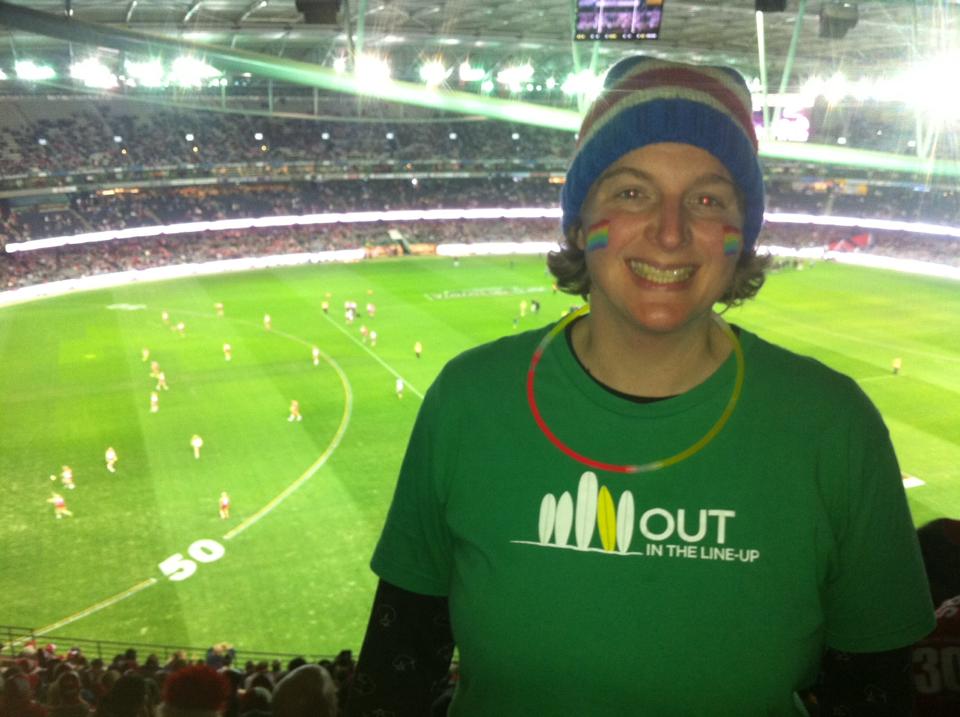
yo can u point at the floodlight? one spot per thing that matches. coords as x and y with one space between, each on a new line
583 83
31 71
3 75
372 70
93 73
835 89
515 77
258 136
340 65
811 89
191 72
433 73
145 74
486 86
471 74
921 87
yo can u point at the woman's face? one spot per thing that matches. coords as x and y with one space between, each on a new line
661 232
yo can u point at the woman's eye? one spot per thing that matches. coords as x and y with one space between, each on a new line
631 193
708 201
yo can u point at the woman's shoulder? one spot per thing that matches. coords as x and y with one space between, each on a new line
496 361
780 370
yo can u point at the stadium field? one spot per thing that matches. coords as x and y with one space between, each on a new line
146 558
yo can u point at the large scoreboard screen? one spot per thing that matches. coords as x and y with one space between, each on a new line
618 19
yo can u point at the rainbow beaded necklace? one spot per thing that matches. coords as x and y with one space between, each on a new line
692 450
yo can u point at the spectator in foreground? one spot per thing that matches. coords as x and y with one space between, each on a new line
940 547
127 696
17 697
307 691
64 696
195 691
255 703
936 669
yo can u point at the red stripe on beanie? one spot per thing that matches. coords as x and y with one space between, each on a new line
677 77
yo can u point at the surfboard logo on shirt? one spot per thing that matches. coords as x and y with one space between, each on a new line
597 523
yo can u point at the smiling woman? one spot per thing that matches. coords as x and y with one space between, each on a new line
735 491
667 209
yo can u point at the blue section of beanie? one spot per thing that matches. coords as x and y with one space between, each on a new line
668 120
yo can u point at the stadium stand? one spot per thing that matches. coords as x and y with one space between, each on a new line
70 166
45 682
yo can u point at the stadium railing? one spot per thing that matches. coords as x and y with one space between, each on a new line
15 638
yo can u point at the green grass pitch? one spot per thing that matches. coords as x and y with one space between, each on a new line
288 570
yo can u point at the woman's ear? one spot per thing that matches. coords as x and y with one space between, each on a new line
576 236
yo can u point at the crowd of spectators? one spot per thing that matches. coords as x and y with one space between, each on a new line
911 203
72 262
90 211
44 683
81 212
895 244
104 135
101 136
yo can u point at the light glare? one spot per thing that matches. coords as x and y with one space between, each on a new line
372 71
145 74
29 70
515 77
433 73
191 72
93 73
471 74
583 83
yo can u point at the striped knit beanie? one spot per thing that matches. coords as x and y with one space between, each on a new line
645 101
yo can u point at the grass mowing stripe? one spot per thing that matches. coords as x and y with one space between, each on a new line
307 474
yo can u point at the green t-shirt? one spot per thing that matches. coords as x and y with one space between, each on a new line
707 588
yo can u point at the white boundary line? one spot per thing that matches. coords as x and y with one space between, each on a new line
253 519
317 464
130 592
379 360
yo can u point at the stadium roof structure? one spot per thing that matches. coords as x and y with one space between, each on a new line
888 33
271 43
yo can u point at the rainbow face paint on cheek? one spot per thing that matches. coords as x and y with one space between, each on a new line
597 235
732 240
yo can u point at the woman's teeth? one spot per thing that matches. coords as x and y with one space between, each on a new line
661 276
